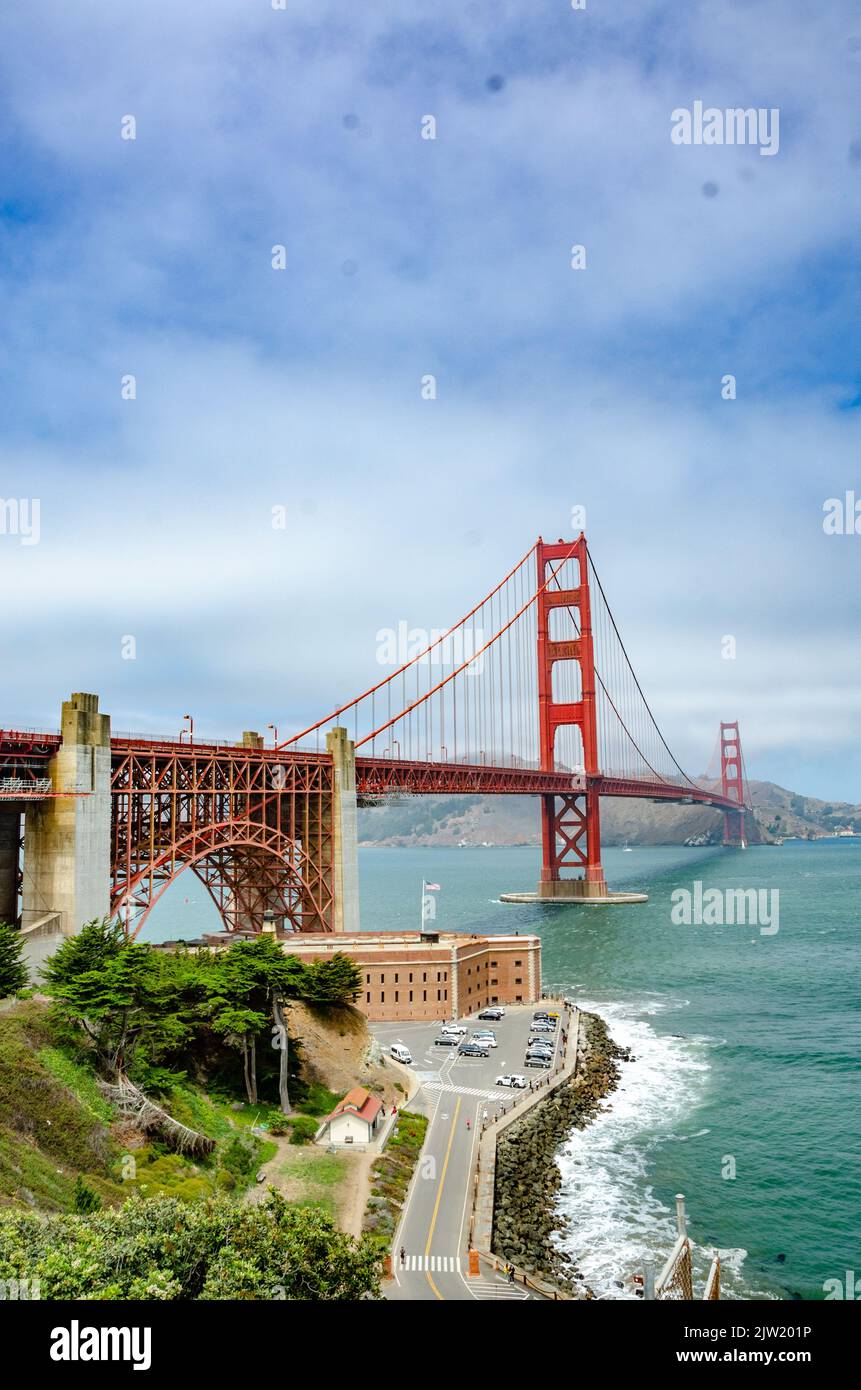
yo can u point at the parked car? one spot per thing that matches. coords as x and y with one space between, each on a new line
445 1040
488 1039
513 1079
539 1013
473 1049
537 1059
457 1030
543 1027
493 1015
534 1045
401 1053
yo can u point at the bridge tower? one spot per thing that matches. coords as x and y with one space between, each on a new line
570 824
732 783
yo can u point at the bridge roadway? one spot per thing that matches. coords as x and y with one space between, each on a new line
435 1221
28 752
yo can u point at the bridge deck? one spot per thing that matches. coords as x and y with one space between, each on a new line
28 751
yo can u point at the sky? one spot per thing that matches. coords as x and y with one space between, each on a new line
404 257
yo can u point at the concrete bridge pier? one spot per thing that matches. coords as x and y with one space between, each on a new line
345 833
67 839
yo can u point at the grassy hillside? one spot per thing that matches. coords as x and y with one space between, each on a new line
56 1127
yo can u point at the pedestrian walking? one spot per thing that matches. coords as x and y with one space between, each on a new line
403 1257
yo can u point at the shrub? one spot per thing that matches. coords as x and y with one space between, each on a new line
302 1129
168 1249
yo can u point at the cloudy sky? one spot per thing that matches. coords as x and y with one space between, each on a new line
259 388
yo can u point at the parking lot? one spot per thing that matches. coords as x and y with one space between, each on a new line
457 1093
443 1067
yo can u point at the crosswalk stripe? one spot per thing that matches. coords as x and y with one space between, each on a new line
440 1264
483 1288
499 1094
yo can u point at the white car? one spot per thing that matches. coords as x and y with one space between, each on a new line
512 1079
454 1030
486 1039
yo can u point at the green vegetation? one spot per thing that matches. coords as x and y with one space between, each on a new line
108 1192
86 1199
315 1175
143 1013
13 971
58 1130
167 1249
79 1080
391 1174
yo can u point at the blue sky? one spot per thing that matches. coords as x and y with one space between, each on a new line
300 388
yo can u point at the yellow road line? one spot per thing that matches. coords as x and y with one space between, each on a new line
439 1196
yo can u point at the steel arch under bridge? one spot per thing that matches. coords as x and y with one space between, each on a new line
253 825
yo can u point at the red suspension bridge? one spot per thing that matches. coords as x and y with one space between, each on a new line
532 692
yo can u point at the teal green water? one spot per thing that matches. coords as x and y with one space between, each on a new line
746 1047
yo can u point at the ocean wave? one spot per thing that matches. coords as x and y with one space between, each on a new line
615 1222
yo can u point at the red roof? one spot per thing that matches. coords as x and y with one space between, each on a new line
359 1102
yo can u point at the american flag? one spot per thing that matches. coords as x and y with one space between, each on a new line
432 888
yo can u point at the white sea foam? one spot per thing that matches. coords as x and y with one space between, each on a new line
615 1221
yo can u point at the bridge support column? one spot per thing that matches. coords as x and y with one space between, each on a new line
345 833
67 842
571 837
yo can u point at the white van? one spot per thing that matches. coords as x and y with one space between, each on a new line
401 1054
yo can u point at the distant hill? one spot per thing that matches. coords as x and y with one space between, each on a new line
513 820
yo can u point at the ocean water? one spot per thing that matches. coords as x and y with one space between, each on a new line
745 1092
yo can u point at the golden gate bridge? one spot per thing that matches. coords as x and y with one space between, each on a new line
530 693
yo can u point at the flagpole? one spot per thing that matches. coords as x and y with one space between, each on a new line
422 927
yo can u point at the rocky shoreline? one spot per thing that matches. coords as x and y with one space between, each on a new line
525 1215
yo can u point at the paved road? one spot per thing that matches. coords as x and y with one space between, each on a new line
454 1090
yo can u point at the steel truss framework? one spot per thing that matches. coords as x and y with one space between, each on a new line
255 827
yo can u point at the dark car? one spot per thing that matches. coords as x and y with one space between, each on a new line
537 1059
471 1049
493 1015
445 1040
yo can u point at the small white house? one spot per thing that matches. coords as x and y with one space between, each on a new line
355 1119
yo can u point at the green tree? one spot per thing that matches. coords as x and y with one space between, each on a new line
246 987
123 997
334 980
13 971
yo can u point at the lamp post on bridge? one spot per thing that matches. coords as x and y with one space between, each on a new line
190 730
274 728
